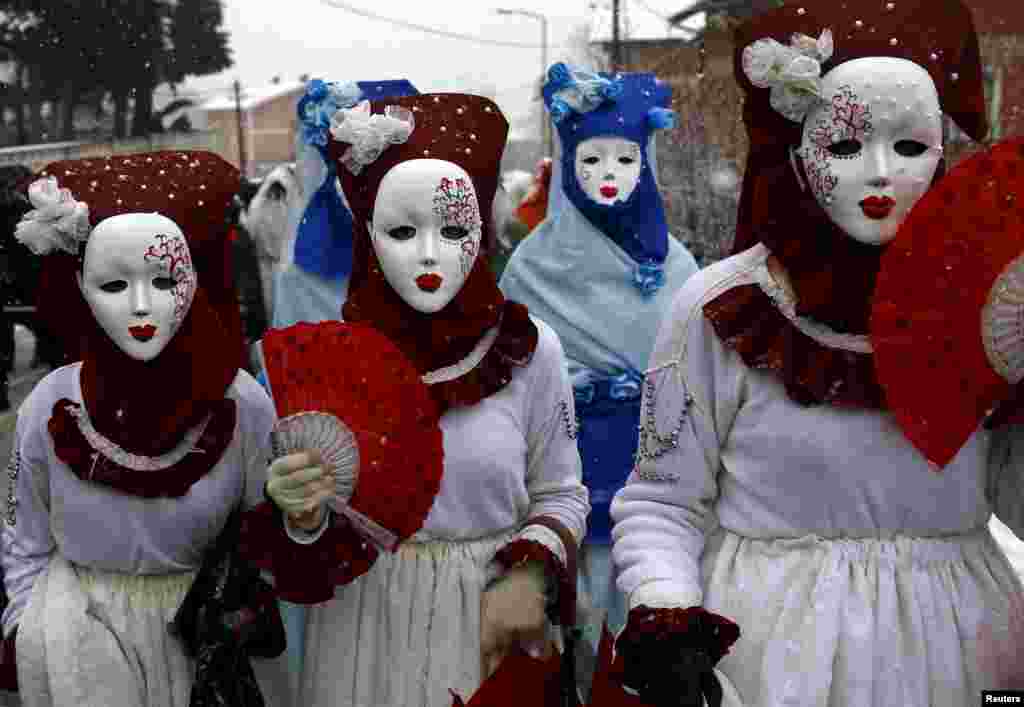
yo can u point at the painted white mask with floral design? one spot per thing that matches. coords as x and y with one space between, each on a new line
871 148
426 231
138 280
608 168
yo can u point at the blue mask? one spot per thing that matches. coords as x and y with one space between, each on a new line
323 241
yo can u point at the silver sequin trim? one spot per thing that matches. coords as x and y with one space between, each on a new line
136 462
461 368
569 421
13 467
857 343
652 444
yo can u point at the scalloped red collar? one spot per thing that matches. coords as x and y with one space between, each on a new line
817 365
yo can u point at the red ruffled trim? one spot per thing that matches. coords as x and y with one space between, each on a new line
654 630
89 465
747 321
513 347
304 574
522 551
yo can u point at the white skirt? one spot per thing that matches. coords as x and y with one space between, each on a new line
856 622
405 634
97 639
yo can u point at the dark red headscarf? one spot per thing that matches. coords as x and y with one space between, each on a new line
146 407
469 131
833 276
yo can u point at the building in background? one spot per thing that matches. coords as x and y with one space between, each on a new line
1000 25
268 125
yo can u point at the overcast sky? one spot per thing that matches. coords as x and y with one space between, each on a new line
313 37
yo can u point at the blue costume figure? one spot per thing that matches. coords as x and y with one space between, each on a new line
312 287
601 269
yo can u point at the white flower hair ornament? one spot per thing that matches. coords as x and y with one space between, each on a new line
792 73
58 221
368 135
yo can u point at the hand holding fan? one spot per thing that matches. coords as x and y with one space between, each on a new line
947 323
347 391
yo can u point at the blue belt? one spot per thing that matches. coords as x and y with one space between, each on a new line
609 412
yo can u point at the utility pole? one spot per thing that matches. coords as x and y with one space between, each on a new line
241 128
545 130
616 39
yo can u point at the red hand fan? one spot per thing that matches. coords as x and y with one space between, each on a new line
519 680
349 392
947 322
606 689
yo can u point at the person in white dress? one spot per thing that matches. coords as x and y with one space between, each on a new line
775 502
127 464
496 549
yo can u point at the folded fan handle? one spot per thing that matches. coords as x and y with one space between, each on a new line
381 537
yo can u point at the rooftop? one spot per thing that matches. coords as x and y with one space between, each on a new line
253 97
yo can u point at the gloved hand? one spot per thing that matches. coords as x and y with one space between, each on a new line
669 655
299 484
512 615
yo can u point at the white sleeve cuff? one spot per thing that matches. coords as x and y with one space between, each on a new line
663 594
307 537
546 537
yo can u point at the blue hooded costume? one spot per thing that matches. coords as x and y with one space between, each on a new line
603 276
313 286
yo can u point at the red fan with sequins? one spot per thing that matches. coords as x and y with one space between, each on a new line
947 323
347 391
519 680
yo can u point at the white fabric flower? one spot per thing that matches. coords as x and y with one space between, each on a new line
58 220
820 48
792 73
368 135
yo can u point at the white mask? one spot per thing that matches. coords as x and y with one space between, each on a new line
871 149
608 168
138 280
426 231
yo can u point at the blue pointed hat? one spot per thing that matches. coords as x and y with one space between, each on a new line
323 241
585 104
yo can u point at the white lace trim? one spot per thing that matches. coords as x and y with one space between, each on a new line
461 368
136 462
824 335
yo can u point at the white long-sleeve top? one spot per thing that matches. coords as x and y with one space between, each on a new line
757 464
513 455
99 527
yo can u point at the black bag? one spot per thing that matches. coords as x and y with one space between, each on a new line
229 615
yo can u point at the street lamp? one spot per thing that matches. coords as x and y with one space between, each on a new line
545 130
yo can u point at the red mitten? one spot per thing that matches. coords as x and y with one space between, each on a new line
668 655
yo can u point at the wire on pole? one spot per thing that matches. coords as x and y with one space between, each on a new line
340 5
